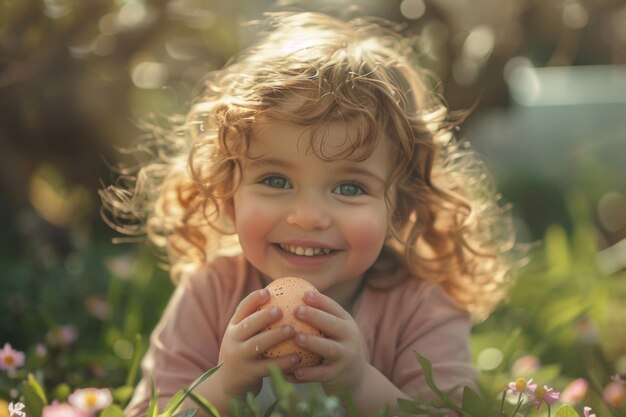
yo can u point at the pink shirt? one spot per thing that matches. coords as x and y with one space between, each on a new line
414 315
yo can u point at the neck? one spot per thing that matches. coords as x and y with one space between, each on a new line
346 293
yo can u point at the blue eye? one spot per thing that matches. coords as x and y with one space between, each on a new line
348 189
276 181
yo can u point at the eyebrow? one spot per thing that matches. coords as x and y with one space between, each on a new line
264 162
345 169
357 170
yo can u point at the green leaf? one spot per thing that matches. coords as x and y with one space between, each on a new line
237 408
427 367
134 362
34 397
180 396
252 404
123 394
187 413
204 404
152 405
37 389
283 388
566 411
173 404
473 405
557 250
412 407
113 410
416 408
33 402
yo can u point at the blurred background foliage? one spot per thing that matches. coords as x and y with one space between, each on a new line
547 84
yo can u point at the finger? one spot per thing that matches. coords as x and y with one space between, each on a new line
286 364
255 346
327 348
321 373
325 303
250 304
257 322
332 326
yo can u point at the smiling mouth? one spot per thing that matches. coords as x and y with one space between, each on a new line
304 251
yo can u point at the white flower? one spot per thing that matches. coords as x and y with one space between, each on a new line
90 400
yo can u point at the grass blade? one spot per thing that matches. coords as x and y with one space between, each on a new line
205 405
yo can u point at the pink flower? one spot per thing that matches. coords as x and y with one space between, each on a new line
544 395
586 411
90 400
10 359
521 386
525 365
41 350
575 391
57 409
614 394
122 266
98 307
62 335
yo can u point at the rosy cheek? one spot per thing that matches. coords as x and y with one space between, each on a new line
367 233
248 221
252 221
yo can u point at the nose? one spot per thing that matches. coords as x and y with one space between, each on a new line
309 213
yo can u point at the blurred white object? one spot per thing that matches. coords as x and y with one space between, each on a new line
558 86
613 258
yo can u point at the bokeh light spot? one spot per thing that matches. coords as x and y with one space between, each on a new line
479 43
56 9
132 14
123 349
148 74
489 359
575 15
612 211
412 9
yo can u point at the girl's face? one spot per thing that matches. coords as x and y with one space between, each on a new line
298 215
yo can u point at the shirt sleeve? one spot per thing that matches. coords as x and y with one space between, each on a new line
440 331
184 344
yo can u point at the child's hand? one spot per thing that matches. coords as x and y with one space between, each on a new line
345 363
245 340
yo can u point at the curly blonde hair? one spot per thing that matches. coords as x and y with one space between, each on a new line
311 69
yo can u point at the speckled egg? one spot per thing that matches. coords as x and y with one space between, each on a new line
287 293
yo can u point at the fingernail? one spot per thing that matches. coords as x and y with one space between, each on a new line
300 311
287 329
264 293
274 312
311 295
295 359
298 373
300 339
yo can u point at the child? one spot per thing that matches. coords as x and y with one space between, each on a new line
321 153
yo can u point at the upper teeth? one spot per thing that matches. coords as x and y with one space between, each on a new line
299 250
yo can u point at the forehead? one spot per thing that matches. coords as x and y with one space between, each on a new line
329 141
